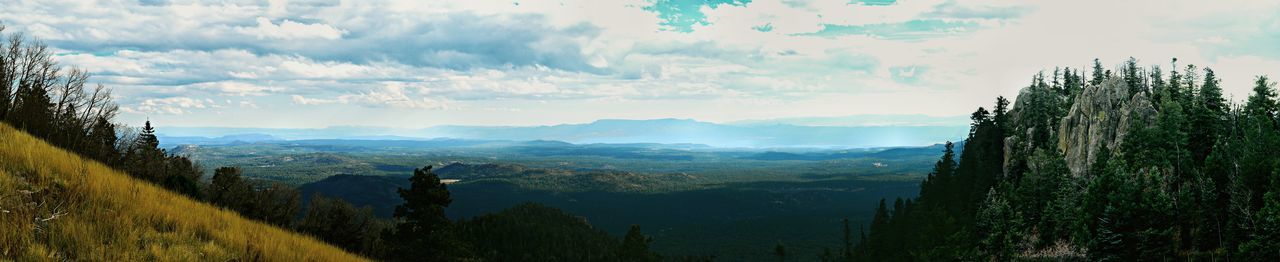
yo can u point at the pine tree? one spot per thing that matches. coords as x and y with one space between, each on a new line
996 221
1262 102
879 233
1001 115
102 142
33 111
421 234
1208 114
228 189
147 139
635 246
1158 86
1264 240
1133 77
1189 88
1175 83
1098 75
848 241
1260 141
338 222
144 160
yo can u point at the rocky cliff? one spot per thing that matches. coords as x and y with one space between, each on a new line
1101 116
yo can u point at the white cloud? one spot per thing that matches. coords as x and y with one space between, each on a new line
171 105
557 58
389 95
297 99
290 30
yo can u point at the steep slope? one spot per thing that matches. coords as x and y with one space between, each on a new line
1101 116
55 205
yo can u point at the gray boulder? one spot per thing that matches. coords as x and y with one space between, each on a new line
1102 115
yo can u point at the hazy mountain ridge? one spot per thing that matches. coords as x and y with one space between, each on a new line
613 131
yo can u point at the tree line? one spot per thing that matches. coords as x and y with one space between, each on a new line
53 103
1199 181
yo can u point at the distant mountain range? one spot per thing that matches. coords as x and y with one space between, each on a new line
747 134
863 120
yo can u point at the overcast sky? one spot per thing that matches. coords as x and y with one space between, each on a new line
424 63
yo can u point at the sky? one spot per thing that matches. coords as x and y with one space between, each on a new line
409 64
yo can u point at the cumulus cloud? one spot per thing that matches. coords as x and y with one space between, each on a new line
171 105
389 95
724 60
290 30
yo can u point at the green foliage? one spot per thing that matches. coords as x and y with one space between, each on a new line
337 222
1264 239
1133 76
1198 183
1098 76
941 223
421 233
635 246
997 221
532 232
274 204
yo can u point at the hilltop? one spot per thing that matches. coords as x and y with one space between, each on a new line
57 205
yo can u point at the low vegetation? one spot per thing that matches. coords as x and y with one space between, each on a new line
56 205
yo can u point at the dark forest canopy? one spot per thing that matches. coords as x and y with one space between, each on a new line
1139 164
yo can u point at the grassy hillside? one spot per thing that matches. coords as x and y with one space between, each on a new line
55 205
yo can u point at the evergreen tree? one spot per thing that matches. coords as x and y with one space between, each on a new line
1264 239
147 139
635 246
33 111
1158 87
996 223
1098 75
1260 141
848 242
1262 102
1133 77
421 234
879 233
1175 84
228 190
276 204
181 175
102 142
1207 116
339 223
1001 115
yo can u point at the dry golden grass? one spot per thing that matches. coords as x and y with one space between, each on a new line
55 205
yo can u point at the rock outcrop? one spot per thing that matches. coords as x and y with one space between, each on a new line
1017 142
1101 115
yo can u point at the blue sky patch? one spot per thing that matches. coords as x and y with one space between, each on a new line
681 15
764 28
